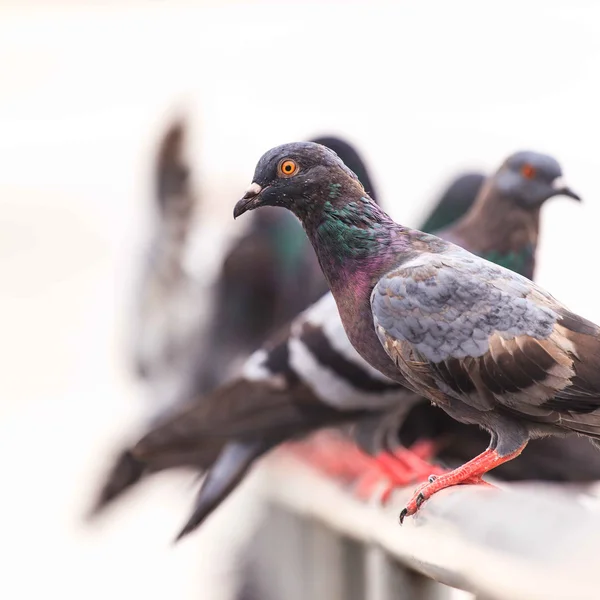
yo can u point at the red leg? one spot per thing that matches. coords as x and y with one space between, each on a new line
469 473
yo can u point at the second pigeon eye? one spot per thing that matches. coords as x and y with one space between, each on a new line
528 171
288 167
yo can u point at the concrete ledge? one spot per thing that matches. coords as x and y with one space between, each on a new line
524 542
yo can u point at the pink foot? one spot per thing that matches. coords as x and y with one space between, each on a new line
470 473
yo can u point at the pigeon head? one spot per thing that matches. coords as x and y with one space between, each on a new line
531 178
302 177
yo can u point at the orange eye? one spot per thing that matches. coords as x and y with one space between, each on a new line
528 171
288 167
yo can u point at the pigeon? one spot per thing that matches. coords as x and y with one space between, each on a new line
485 344
309 363
165 317
268 276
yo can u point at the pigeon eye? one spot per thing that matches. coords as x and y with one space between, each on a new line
288 167
528 171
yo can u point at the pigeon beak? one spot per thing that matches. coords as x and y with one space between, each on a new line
561 189
250 200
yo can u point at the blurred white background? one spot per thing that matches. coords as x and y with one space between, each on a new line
424 89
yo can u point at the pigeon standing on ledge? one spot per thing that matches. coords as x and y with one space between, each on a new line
487 345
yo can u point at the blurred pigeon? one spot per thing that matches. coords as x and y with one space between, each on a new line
268 276
167 313
485 344
308 365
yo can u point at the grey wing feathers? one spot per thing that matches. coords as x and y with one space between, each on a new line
458 326
449 306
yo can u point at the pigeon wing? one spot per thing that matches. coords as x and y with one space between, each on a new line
459 326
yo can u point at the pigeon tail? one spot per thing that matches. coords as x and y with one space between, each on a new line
125 473
233 463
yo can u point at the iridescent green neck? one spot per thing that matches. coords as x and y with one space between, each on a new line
353 230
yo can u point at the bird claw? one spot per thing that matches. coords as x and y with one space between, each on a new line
419 497
435 484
